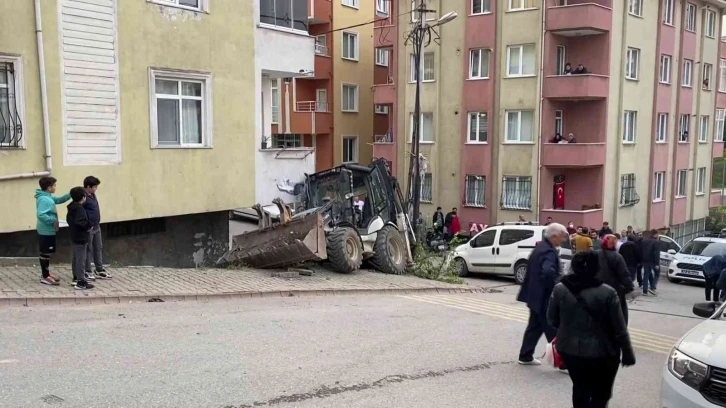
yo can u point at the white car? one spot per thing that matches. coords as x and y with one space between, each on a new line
503 249
694 375
687 264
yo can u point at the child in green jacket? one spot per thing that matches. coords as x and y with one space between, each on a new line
47 225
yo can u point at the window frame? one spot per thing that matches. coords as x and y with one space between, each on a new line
383 8
665 60
516 180
207 107
477 191
297 140
521 60
632 9
559 122
420 131
681 123
203 5
626 121
412 77
689 19
478 126
720 121
700 181
522 8
352 4
628 184
274 101
668 9
687 77
722 75
356 148
631 51
343 86
707 77
18 77
354 34
485 10
710 25
482 53
661 132
428 178
382 51
519 126
703 133
681 175
658 186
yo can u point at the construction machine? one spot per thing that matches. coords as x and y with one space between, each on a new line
345 215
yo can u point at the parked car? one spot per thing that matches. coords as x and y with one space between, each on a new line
687 264
695 373
503 249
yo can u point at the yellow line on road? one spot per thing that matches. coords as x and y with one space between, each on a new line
642 339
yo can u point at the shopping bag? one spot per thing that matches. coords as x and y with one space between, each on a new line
551 356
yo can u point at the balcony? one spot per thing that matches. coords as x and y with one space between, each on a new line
320 11
715 199
323 64
321 49
384 94
587 218
576 87
579 19
311 117
573 154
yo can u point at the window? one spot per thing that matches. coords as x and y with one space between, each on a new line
685 126
321 45
630 125
381 109
722 75
628 196
428 67
687 73
480 7
427 188
11 103
475 191
520 60
703 130
690 17
512 236
635 7
707 71
720 116
415 14
275 100
382 7
668 12
478 127
522 4
426 132
485 239
681 183
632 63
351 3
559 120
561 58
198 5
710 24
516 192
350 98
289 14
181 109
658 186
479 63
382 57
350 149
665 69
350 46
518 127
700 180
661 133
286 140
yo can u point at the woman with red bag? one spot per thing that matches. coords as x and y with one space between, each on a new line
591 332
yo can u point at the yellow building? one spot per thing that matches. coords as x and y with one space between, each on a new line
150 96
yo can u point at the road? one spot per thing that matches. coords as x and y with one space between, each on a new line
343 351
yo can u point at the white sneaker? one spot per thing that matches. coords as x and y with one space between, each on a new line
533 362
563 371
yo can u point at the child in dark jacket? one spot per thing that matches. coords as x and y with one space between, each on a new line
79 227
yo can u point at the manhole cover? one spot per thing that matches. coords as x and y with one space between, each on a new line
52 399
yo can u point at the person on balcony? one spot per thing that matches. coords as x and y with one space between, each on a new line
557 139
580 70
567 70
571 138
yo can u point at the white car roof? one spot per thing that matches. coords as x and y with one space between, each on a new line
710 239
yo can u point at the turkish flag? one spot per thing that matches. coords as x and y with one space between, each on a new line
559 196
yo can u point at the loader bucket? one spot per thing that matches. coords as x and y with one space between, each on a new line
299 240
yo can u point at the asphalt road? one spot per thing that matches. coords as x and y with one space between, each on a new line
373 351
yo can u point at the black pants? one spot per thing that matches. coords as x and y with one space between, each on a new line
536 327
592 380
711 288
640 275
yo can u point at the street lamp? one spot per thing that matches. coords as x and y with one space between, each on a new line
419 37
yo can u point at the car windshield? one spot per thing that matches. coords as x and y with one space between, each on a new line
704 248
325 188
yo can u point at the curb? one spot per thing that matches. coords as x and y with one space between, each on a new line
115 300
18 261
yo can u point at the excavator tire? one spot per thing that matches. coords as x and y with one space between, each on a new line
389 251
345 250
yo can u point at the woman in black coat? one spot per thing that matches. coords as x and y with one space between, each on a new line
591 331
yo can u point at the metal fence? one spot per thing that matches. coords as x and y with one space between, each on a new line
516 193
687 231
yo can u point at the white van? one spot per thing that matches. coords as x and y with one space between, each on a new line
687 264
504 249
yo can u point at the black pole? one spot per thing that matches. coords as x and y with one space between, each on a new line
417 49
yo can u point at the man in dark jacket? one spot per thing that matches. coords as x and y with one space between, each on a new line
631 255
79 226
614 271
438 221
448 222
650 258
543 270
95 243
605 230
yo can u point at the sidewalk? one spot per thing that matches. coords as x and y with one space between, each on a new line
20 286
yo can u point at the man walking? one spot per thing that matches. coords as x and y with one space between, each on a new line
543 270
650 259
438 221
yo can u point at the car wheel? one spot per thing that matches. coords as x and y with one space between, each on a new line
520 271
460 267
672 280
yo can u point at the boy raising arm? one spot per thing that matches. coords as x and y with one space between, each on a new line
47 225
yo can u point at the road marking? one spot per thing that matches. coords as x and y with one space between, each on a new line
642 339
8 361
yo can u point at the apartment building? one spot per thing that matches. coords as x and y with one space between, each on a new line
495 93
150 96
330 107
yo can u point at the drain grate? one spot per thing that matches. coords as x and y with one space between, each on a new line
52 399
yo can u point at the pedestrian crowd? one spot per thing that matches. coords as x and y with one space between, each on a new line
84 224
583 314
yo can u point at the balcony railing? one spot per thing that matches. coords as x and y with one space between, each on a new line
385 139
321 49
312 106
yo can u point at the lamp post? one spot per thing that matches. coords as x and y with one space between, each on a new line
419 37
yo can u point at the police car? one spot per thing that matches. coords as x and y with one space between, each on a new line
687 264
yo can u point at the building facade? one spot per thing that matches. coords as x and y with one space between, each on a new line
150 96
647 115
